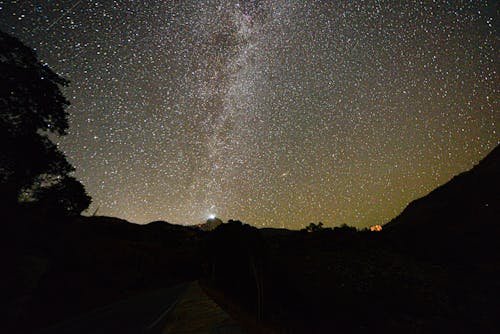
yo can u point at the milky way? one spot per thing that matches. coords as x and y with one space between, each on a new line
277 113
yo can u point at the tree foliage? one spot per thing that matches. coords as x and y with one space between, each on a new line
32 107
235 256
313 227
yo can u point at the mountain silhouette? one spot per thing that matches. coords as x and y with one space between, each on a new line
458 221
211 224
469 200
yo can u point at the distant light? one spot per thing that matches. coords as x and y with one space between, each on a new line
211 216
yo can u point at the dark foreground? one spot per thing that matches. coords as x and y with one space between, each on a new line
435 268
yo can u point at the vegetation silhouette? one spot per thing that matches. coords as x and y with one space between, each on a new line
32 168
235 256
313 227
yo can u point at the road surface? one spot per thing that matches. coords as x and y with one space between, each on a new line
184 308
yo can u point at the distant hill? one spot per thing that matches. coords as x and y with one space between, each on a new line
211 224
458 221
276 232
470 198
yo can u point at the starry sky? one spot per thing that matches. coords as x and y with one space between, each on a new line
277 113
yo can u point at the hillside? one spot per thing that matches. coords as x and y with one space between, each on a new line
458 221
469 200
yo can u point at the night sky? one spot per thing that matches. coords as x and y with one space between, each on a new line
277 113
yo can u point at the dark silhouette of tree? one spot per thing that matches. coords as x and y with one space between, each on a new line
235 260
344 228
32 106
314 227
66 197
